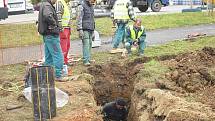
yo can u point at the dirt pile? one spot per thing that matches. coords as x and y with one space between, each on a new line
82 106
191 76
166 107
191 71
87 114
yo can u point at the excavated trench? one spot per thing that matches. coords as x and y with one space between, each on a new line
115 80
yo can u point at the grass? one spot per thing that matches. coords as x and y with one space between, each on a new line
13 35
152 71
176 47
172 48
12 72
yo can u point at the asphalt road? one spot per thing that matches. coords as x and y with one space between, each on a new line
32 17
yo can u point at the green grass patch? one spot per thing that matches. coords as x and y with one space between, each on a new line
13 35
176 20
176 47
12 72
152 71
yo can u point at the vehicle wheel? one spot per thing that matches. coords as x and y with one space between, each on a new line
156 6
143 8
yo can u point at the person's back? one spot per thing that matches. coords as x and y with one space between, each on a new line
121 13
47 19
115 112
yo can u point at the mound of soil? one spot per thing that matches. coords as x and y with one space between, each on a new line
82 114
191 71
82 106
192 76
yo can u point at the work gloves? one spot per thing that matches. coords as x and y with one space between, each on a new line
81 34
136 42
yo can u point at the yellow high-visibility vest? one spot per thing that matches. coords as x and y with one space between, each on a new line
120 10
133 34
66 14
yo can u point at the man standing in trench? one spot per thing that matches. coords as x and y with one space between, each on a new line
48 27
85 27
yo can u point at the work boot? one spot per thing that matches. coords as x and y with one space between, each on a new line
116 50
140 54
87 64
61 79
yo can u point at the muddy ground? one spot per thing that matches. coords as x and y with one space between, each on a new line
185 93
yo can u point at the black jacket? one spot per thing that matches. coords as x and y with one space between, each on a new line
85 17
111 112
47 19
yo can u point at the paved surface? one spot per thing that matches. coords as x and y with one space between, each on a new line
155 37
32 17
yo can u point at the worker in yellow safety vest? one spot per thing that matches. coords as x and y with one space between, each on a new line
135 36
121 13
64 19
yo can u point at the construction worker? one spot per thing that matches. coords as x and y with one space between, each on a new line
48 27
121 13
85 27
115 111
64 19
135 36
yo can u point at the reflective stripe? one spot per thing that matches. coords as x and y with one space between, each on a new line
133 34
66 14
120 10
38 93
48 84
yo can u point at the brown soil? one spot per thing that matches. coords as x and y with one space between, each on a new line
191 71
185 93
81 106
189 94
114 80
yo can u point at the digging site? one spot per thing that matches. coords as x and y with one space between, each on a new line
185 92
